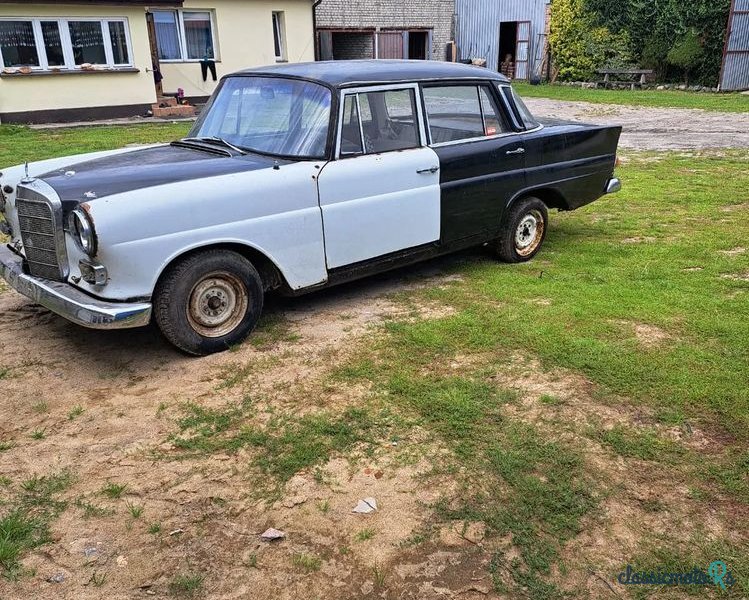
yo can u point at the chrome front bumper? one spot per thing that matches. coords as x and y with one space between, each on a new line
69 302
613 186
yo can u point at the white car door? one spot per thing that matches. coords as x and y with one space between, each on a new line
382 193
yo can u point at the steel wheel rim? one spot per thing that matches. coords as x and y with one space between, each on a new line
529 233
217 304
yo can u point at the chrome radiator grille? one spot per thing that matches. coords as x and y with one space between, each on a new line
39 236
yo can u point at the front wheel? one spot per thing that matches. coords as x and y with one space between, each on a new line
209 301
523 231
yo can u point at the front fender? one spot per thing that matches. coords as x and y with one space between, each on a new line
272 211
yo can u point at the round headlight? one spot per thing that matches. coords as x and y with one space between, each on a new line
82 230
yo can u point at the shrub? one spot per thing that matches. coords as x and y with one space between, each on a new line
686 53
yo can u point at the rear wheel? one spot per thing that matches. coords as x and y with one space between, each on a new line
524 231
209 301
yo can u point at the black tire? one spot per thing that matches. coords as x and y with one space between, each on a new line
512 245
208 302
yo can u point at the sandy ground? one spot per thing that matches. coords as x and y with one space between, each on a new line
654 128
131 386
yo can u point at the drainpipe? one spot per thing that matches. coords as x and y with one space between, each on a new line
315 4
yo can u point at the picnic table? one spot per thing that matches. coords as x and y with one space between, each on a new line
607 73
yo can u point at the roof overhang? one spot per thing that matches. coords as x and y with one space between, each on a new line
99 2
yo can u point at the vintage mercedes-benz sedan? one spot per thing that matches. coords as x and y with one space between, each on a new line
295 177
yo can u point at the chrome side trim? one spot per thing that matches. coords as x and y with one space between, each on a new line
613 185
70 302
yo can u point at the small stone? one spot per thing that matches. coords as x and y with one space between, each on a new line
661 87
121 561
367 588
176 532
56 578
366 506
273 534
90 551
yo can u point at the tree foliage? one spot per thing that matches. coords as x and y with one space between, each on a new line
580 46
653 29
686 52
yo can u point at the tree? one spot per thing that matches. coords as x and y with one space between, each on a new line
579 46
686 53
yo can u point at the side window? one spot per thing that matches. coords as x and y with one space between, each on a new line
387 122
461 112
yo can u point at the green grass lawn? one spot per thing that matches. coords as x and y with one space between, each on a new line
667 256
20 144
664 98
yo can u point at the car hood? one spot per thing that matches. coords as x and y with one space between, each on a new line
144 168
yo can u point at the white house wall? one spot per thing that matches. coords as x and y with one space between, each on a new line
244 37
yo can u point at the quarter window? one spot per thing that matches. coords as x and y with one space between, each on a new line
525 116
184 35
461 112
64 43
380 121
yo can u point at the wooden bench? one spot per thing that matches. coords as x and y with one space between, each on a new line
607 73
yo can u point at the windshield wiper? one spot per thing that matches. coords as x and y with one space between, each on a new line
214 139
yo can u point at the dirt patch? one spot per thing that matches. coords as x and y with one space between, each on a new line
647 128
736 277
106 401
732 252
639 240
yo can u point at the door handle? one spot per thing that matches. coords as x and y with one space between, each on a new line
429 170
517 151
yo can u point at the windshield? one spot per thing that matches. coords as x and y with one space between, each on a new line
270 115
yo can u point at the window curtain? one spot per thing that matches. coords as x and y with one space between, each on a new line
119 42
87 42
167 36
198 35
53 44
17 43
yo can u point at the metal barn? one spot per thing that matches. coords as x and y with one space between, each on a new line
734 74
512 32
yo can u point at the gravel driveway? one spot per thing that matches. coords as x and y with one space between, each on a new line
655 128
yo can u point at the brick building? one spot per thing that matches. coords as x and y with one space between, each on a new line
349 29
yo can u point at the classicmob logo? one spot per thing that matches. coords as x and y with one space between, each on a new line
716 574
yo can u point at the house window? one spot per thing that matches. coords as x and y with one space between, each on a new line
64 43
87 42
53 43
184 35
118 39
18 44
279 36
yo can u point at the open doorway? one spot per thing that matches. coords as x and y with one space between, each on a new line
514 49
508 37
418 45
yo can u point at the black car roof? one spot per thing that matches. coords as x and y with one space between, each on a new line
342 73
